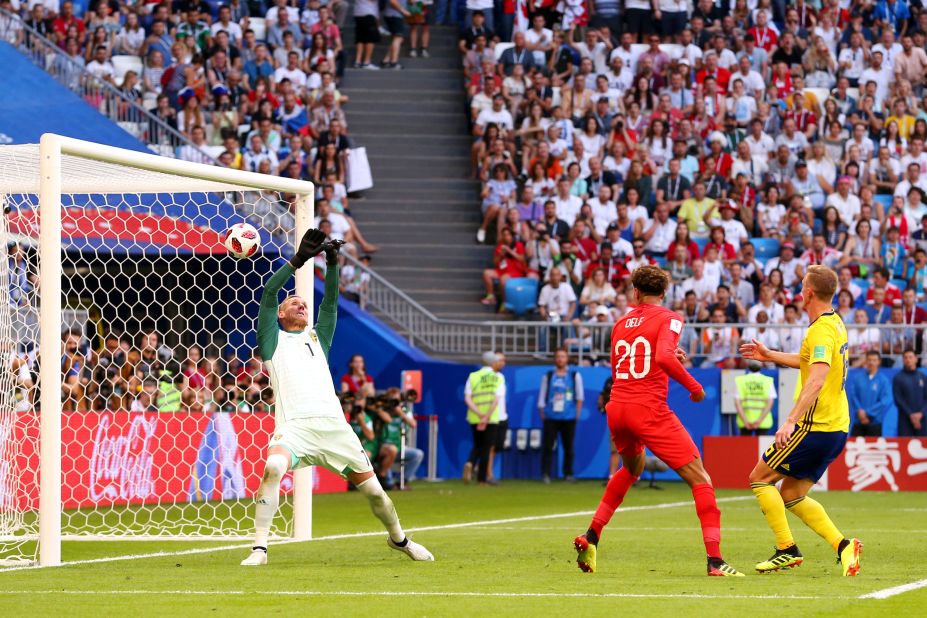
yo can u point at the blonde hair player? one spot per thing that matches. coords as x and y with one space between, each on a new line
814 433
310 425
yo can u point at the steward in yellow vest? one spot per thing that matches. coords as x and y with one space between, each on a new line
754 400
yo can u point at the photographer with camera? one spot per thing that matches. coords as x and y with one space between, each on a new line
399 407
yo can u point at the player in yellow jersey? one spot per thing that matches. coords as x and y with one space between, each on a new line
814 433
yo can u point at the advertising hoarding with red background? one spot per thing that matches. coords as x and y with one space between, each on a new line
866 464
115 458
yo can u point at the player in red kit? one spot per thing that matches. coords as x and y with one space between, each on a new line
644 355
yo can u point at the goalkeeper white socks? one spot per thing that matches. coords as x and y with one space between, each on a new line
383 508
268 497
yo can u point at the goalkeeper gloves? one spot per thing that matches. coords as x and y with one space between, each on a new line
309 247
331 249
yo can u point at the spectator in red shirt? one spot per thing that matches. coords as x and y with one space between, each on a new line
764 36
683 238
194 372
584 247
613 267
881 279
725 250
805 121
66 19
722 76
508 262
722 160
357 380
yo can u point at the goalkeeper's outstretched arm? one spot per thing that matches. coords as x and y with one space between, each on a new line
268 328
328 311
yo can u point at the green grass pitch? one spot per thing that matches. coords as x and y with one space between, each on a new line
651 562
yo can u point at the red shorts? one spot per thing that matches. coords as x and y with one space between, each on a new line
635 427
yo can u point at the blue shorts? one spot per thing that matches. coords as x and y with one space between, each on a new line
807 453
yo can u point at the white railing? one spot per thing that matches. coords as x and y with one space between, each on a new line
589 342
127 113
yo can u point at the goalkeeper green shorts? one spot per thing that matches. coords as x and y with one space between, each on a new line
322 441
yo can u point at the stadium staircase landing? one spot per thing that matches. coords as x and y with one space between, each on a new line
423 211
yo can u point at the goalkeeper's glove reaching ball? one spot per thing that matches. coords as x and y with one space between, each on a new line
309 247
331 249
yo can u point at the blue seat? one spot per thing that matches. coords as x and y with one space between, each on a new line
901 284
660 260
863 285
766 248
885 200
521 295
701 243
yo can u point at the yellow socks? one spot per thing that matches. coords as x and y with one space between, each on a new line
812 513
774 509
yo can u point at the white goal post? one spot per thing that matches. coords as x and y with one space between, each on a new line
159 440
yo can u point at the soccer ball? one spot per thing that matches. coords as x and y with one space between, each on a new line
242 240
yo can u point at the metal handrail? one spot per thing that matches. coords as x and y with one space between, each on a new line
131 116
539 339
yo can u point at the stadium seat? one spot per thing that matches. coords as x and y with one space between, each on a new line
124 64
501 47
853 92
701 243
901 284
885 200
660 260
521 295
672 50
213 151
259 26
863 285
766 248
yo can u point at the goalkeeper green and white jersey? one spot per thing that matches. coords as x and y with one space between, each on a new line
298 361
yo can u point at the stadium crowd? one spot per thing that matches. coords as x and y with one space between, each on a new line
731 143
252 84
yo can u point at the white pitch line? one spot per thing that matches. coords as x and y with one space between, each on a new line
397 593
355 535
896 590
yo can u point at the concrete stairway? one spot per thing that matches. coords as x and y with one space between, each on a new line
423 211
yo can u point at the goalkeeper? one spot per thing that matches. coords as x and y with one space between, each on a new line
310 425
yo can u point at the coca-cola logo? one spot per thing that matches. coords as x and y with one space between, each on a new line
121 466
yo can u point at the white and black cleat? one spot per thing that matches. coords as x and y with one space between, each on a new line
258 557
412 549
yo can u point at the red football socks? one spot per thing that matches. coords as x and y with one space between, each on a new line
615 491
709 516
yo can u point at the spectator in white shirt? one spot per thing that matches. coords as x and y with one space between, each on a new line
767 336
100 66
291 72
791 337
761 144
913 178
568 205
193 152
257 152
658 233
702 286
767 304
539 39
497 115
845 202
852 59
557 300
790 266
225 23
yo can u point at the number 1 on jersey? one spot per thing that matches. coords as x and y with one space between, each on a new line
623 349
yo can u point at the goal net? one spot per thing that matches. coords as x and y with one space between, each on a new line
131 403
